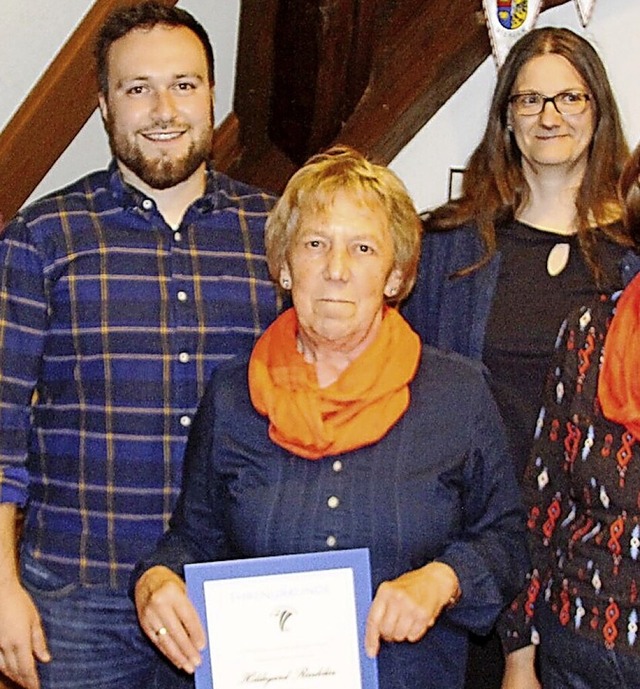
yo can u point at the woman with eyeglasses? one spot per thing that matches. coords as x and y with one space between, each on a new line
581 489
536 230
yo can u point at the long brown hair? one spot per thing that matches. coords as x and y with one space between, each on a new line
494 186
630 195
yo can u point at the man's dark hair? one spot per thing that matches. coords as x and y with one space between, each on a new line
146 15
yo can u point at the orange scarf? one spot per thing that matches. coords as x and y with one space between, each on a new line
354 411
619 380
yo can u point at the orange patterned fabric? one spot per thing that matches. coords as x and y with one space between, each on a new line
356 410
619 382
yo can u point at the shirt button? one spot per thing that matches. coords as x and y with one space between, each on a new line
182 296
147 204
337 466
333 502
177 236
331 541
185 421
184 357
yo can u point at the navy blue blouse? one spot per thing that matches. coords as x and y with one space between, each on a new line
438 486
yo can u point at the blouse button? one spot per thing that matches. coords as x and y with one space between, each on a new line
185 421
182 296
184 357
147 204
333 502
337 466
331 541
177 236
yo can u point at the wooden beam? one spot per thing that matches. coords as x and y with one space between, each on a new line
427 50
422 51
405 59
53 113
259 160
322 59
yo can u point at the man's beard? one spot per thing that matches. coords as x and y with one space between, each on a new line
161 171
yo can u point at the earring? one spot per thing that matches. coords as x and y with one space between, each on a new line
509 127
285 283
393 291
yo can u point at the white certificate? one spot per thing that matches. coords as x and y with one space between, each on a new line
288 622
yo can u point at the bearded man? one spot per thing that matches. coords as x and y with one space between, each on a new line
120 295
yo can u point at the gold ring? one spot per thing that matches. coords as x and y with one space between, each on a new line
161 632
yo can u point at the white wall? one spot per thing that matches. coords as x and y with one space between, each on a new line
29 40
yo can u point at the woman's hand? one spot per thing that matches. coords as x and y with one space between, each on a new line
519 670
168 618
407 607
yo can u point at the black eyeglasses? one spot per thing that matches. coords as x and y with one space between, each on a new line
565 102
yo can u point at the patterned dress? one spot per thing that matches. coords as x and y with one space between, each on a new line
582 492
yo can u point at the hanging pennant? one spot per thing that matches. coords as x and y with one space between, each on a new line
509 20
585 9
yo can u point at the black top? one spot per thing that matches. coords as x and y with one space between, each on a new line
528 308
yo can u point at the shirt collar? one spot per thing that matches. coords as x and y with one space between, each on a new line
131 198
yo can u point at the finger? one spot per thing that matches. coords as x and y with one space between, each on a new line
181 633
178 638
192 625
372 628
39 642
163 625
392 606
397 627
417 630
172 648
21 668
4 670
371 641
151 626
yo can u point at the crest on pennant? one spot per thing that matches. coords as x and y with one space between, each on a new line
507 21
512 13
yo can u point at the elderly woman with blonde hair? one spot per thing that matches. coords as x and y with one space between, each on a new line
342 431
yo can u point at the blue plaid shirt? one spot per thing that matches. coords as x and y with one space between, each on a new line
110 325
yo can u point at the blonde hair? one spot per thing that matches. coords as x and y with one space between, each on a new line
343 169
